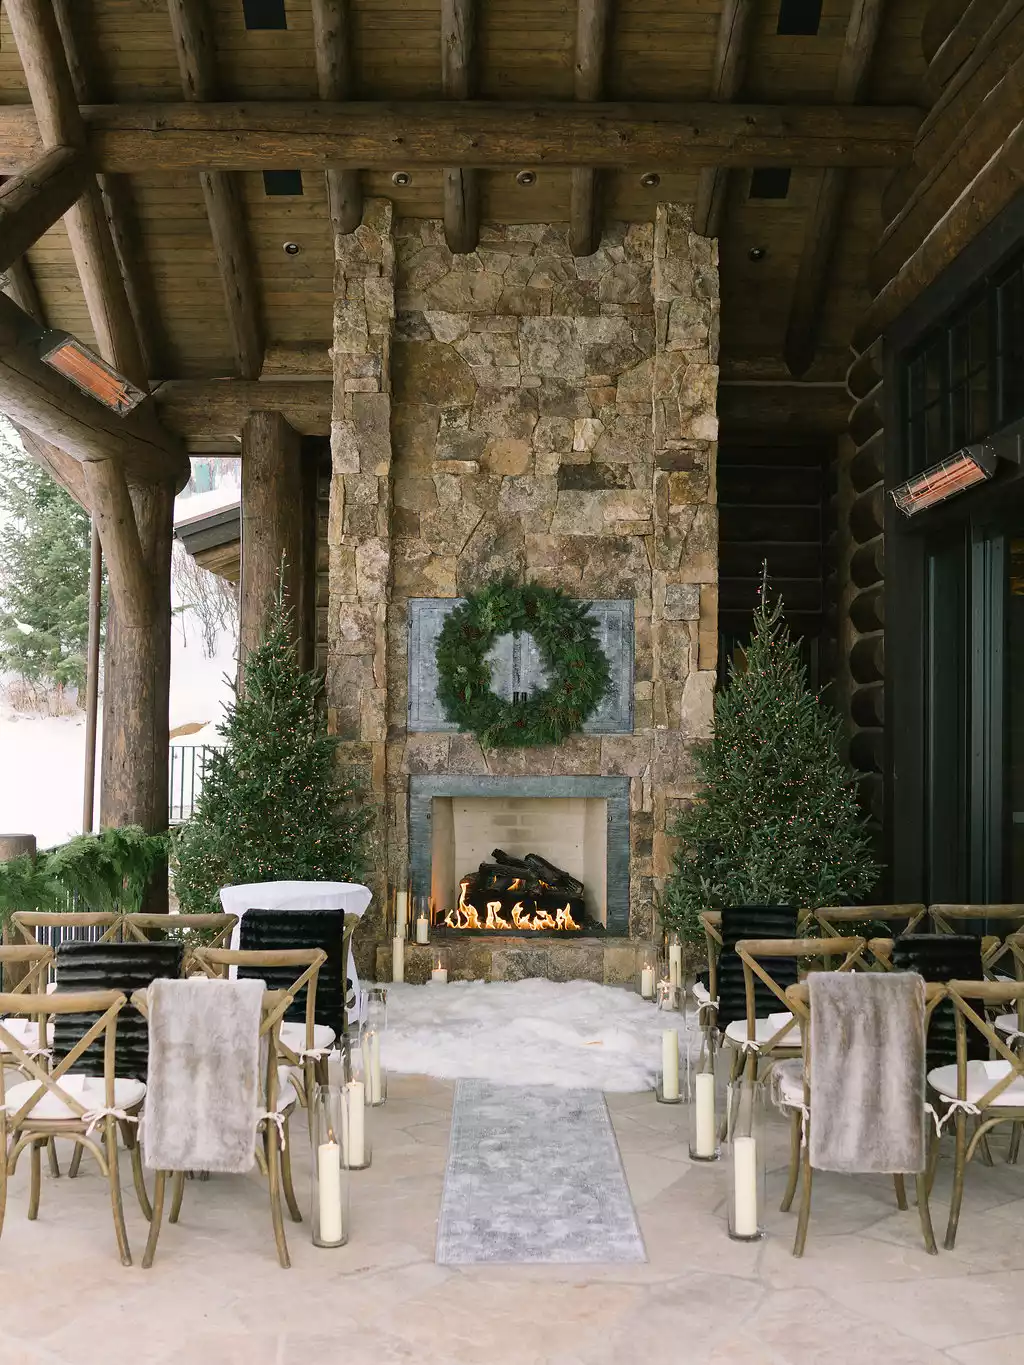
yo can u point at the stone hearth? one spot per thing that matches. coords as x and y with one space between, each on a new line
519 411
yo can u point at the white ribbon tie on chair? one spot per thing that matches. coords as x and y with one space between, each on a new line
274 1116
92 1118
955 1107
314 1054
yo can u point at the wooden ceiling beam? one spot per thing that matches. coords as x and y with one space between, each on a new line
458 82
35 396
213 412
60 466
197 64
747 407
18 283
481 133
332 47
822 230
32 202
731 52
593 20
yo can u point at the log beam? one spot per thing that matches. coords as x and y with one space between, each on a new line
213 412
822 230
58 464
18 284
31 203
731 51
197 65
458 82
481 133
331 46
998 182
36 396
271 524
593 19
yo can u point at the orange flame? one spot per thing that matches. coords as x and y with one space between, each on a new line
466 916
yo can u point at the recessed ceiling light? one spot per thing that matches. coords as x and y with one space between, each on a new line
651 180
757 253
526 178
292 248
401 178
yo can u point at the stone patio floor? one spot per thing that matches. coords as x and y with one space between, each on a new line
865 1290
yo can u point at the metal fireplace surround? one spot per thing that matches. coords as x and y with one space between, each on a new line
613 790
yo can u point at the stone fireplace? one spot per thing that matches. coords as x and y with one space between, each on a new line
522 412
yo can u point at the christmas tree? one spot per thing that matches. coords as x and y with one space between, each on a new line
273 805
776 821
44 573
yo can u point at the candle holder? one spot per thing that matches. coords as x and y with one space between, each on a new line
365 1066
675 959
329 1199
706 1104
421 919
647 973
356 1148
746 1160
667 995
376 1011
439 959
668 1087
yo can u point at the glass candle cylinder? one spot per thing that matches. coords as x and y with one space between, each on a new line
669 1087
421 919
746 1162
648 972
376 1012
329 1204
675 959
705 1115
356 1152
365 1066
439 967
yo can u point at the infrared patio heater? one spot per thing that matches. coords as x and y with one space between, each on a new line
966 468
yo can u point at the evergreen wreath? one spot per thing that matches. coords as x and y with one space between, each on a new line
576 665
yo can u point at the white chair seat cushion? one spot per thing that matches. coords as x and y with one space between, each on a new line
293 1036
981 1076
1007 1024
89 1091
289 1083
788 1082
766 1028
701 994
26 1031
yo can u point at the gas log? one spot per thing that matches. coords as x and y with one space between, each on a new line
518 895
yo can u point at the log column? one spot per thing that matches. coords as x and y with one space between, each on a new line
271 523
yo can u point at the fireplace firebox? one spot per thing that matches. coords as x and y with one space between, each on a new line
522 856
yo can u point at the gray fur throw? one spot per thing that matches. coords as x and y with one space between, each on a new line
203 1087
867 1065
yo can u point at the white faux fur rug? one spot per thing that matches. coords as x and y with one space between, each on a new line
574 1034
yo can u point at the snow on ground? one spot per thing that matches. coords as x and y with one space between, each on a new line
42 758
572 1034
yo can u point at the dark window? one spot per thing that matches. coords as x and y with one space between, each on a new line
769 182
282 182
965 379
264 14
799 16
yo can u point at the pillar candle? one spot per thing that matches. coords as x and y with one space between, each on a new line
440 975
422 930
328 1165
401 916
398 958
744 1174
670 1064
354 1132
675 964
647 983
371 1066
704 1092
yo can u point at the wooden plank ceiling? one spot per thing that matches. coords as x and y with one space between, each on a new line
656 50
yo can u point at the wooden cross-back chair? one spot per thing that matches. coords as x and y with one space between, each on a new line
48 926
958 919
276 1155
25 970
306 1059
798 997
990 1091
194 931
57 1102
834 921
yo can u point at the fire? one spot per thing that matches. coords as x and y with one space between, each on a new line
466 916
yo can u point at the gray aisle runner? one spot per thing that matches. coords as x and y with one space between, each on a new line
534 1174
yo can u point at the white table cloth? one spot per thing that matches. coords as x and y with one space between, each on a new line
348 896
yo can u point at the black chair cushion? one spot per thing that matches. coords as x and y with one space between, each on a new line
272 930
943 957
753 921
124 967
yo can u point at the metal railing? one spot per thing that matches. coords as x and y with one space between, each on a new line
186 766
